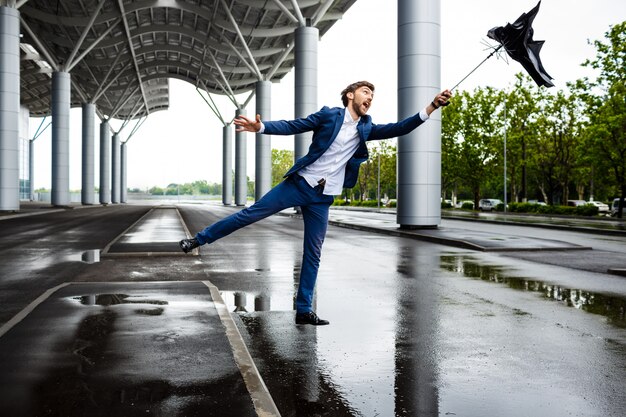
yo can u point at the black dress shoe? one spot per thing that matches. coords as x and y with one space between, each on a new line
187 245
310 318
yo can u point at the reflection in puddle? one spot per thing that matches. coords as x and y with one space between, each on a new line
245 302
91 256
613 308
113 299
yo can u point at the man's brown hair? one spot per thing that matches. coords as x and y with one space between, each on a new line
352 88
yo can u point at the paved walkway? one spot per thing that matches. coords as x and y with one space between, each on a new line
63 337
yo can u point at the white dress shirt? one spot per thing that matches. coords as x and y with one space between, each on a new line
331 166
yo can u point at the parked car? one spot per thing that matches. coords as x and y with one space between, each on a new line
488 204
541 203
461 203
615 207
576 203
602 208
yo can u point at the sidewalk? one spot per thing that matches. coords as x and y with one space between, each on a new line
383 221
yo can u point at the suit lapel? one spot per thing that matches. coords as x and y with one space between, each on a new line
338 123
364 128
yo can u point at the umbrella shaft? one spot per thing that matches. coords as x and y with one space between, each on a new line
475 68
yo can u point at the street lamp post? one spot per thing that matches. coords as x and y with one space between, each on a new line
505 122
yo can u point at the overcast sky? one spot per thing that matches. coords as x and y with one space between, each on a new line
184 143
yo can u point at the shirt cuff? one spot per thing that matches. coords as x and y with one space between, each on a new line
424 115
262 129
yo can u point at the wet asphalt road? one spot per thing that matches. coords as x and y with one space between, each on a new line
417 329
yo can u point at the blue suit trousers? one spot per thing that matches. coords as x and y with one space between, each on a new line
293 191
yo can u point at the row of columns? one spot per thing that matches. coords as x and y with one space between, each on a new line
305 104
112 152
419 154
60 109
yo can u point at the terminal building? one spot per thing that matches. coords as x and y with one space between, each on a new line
113 58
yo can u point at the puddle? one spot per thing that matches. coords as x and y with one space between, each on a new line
611 307
113 299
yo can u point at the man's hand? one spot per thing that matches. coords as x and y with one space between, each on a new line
247 125
441 99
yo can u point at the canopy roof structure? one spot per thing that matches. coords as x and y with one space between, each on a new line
121 53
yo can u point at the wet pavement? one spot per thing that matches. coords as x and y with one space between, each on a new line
121 349
419 327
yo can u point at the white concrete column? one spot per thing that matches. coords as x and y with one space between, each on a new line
9 108
227 165
60 192
305 83
419 80
263 154
31 168
115 169
124 174
105 163
24 154
88 155
241 153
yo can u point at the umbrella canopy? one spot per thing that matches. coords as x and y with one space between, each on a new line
517 40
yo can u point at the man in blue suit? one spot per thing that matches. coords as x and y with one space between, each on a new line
332 163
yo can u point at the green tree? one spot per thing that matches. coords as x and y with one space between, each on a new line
605 98
156 191
556 157
450 149
476 135
519 117
282 160
200 187
388 172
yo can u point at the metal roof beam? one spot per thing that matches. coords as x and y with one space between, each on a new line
93 45
321 12
212 104
279 62
296 9
254 71
42 49
68 62
230 94
136 128
133 112
286 11
242 39
119 106
104 87
132 52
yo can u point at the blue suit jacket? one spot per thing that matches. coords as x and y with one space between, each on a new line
325 125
